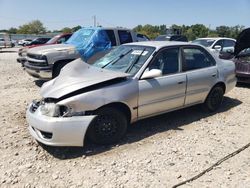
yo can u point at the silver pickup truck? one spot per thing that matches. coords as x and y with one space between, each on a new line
90 44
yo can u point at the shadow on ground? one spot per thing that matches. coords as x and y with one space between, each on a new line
243 85
40 83
144 128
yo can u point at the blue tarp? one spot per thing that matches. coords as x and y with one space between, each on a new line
89 41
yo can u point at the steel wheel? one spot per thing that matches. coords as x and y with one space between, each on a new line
108 127
214 99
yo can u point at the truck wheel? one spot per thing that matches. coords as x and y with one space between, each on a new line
109 126
57 68
214 99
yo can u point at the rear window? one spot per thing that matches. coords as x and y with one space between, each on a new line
111 36
178 38
124 36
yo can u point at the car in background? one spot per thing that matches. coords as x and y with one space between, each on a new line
242 56
39 40
6 42
142 37
242 63
132 82
58 39
181 38
217 44
24 42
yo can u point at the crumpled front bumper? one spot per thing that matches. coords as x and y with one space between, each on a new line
58 131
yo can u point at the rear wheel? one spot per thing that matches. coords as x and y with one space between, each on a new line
214 99
108 127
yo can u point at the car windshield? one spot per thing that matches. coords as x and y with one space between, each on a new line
53 40
204 42
81 36
162 38
125 58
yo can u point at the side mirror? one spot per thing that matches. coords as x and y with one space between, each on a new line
217 47
153 73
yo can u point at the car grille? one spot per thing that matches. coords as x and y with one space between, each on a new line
33 57
243 66
40 64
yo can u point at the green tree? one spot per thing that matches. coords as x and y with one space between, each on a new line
74 29
223 31
149 30
66 30
33 27
12 30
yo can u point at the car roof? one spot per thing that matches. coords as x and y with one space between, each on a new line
160 44
214 38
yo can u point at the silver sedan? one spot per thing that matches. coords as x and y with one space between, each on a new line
132 82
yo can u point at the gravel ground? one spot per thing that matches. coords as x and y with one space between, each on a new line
157 152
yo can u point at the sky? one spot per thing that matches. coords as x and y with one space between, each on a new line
56 14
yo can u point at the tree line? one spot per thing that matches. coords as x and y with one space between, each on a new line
191 32
37 27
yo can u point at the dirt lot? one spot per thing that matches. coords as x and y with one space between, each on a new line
157 152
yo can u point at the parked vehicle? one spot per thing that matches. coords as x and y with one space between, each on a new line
171 38
37 41
142 37
132 82
24 42
242 56
217 44
58 39
91 43
5 41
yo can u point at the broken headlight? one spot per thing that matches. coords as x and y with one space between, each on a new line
49 109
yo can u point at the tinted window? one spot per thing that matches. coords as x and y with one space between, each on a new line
195 58
111 36
178 38
228 43
218 43
167 61
124 36
204 42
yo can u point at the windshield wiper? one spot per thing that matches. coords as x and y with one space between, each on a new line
135 61
115 60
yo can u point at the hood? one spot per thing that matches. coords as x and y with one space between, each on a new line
49 48
78 75
243 41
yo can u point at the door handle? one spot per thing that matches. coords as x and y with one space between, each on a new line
181 82
213 75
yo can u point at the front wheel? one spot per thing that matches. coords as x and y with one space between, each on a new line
108 127
214 99
57 68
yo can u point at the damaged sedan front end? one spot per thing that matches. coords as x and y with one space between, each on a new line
73 99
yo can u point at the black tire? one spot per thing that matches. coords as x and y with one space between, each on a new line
57 68
108 127
214 99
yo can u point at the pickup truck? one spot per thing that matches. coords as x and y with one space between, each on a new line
58 39
88 43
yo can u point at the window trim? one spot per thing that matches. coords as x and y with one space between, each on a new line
155 55
199 48
127 31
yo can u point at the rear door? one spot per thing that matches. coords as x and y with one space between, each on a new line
201 71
